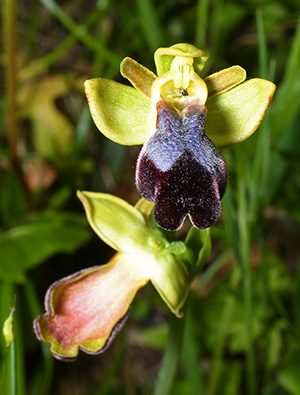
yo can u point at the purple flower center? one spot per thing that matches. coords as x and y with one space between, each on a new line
180 169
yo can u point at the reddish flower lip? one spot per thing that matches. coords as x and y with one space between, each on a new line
79 317
116 329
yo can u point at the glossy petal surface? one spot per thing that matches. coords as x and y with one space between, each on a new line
180 170
85 311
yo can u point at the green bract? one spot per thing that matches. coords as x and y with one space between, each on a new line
126 115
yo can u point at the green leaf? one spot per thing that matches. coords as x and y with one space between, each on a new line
234 115
119 111
26 246
275 343
288 376
155 337
12 198
230 382
287 100
191 349
147 15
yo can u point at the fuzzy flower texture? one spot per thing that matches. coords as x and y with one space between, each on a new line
180 119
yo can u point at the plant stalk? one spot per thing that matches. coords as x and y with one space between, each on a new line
171 357
9 23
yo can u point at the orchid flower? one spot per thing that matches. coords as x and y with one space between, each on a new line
86 310
181 119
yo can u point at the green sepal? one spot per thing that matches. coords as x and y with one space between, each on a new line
224 80
119 111
171 279
234 115
115 221
163 57
140 77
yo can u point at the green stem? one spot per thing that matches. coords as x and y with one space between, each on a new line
13 368
201 23
191 351
41 65
44 379
248 307
79 31
225 323
9 41
171 357
148 16
239 233
262 45
9 22
244 263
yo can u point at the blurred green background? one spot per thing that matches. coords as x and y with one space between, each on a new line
242 325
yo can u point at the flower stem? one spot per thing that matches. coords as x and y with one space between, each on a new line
80 32
9 44
243 253
224 327
171 357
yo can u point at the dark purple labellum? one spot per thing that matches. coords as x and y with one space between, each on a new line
180 169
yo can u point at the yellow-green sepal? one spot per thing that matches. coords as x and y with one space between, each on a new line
164 57
235 114
120 112
171 279
115 221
